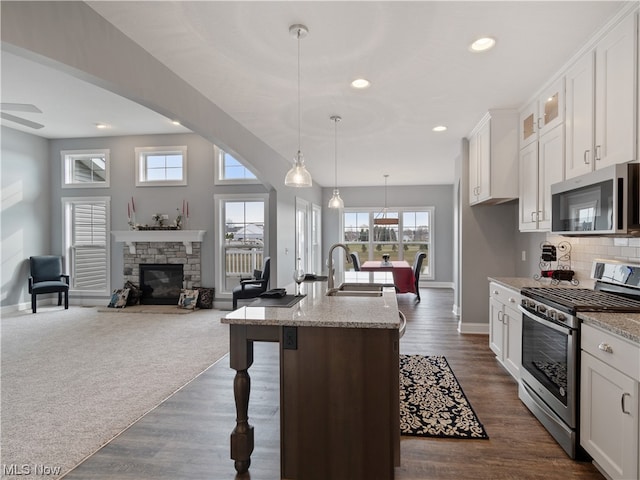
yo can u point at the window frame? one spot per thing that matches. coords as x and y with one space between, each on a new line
371 242
141 154
219 179
67 243
219 240
69 156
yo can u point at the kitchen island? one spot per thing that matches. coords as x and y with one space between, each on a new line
339 382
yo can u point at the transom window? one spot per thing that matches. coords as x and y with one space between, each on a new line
85 168
230 170
161 166
402 241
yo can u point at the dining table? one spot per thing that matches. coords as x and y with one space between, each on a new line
403 276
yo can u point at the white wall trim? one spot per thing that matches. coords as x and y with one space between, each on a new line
473 328
428 284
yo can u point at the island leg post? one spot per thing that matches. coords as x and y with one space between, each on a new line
241 358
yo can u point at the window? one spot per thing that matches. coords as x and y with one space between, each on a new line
242 238
231 170
85 168
161 166
86 243
413 233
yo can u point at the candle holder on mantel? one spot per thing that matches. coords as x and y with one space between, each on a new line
555 263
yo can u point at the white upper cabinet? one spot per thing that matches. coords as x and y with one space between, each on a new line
602 91
493 158
580 117
541 164
543 114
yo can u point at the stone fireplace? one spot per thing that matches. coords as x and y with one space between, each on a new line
171 247
161 283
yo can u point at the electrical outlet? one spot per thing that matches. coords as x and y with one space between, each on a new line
165 216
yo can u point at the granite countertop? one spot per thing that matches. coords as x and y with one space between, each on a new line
626 325
316 309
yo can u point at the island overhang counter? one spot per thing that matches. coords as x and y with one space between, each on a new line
339 383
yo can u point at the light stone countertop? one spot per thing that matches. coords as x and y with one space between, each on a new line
319 310
626 325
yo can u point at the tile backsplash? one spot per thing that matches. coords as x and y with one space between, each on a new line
586 249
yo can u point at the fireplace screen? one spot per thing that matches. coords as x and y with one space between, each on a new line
160 283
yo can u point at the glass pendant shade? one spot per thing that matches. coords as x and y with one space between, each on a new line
298 176
336 201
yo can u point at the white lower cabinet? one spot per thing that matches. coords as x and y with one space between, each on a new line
505 327
610 376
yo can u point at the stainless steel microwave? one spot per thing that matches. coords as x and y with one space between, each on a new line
603 202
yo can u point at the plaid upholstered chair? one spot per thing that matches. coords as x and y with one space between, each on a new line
47 277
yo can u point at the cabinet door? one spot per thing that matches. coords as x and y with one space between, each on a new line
609 418
528 202
579 122
484 162
513 340
551 104
473 169
550 170
528 130
496 336
616 90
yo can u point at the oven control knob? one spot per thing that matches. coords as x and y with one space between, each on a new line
552 314
561 317
541 308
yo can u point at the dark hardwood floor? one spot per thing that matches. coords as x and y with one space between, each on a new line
187 437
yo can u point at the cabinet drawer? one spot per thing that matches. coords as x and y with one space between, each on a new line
504 295
612 349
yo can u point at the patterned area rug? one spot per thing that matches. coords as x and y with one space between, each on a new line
432 403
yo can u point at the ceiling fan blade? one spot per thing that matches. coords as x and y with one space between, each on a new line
20 107
21 121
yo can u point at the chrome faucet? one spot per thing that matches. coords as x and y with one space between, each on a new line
331 279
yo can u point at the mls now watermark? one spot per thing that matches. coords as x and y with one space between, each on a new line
29 469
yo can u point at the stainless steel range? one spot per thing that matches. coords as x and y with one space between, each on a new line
550 372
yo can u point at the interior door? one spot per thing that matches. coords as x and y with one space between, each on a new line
303 235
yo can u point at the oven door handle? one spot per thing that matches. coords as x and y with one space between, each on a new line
546 323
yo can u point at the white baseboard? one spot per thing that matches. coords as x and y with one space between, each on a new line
436 285
473 328
456 310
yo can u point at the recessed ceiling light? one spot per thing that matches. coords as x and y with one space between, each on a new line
482 44
101 126
360 83
439 128
176 122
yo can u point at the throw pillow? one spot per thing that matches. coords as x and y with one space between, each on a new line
134 293
188 299
119 298
205 297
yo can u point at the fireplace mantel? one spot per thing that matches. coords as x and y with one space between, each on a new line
130 237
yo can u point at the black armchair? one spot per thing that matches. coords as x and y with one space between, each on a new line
47 277
417 267
252 288
355 258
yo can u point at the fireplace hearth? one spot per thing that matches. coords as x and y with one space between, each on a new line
160 283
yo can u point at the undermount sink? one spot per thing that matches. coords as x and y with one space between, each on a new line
356 290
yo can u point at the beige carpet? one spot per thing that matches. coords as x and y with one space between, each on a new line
72 380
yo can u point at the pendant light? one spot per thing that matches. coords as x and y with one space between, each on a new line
383 220
336 201
298 176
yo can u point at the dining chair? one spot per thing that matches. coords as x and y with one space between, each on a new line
417 267
355 258
253 287
46 277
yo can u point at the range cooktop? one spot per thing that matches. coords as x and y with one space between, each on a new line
582 299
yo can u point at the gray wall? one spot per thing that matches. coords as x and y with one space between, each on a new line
26 217
438 196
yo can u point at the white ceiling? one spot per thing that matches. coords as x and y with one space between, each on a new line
241 56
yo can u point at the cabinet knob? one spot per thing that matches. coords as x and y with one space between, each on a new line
496 292
512 300
605 347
